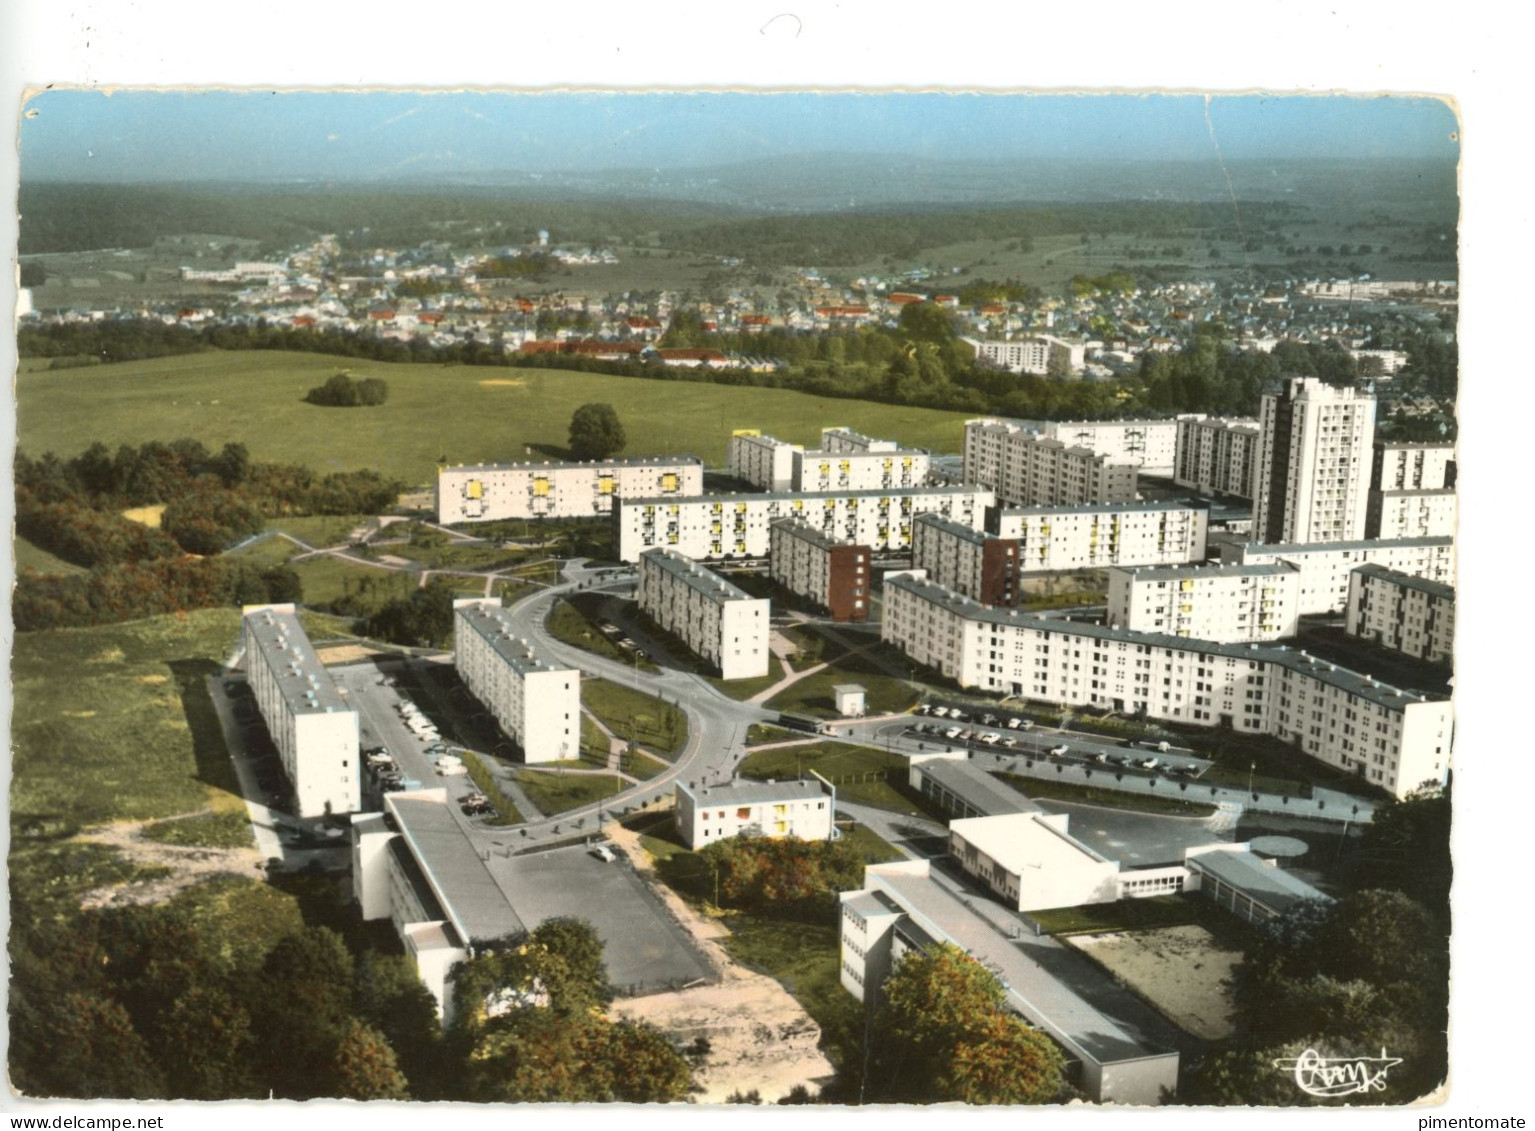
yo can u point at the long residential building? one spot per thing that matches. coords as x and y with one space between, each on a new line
1231 604
1218 456
1025 468
707 814
1395 739
1325 568
848 470
979 565
737 526
1404 613
1108 534
1403 466
1314 463
486 492
762 461
1149 444
1040 355
1412 513
720 622
537 704
315 732
840 439
831 573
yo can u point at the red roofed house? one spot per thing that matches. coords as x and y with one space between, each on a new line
646 329
900 298
755 323
381 315
993 309
303 321
946 300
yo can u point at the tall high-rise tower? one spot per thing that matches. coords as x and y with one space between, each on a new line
1314 463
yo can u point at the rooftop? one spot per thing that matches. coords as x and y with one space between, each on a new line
711 584
1408 581
494 624
561 465
755 792
975 787
1178 573
1269 885
306 686
1110 508
452 867
807 496
1256 548
803 530
955 529
1025 840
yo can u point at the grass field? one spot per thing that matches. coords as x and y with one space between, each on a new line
575 620
29 556
255 398
1108 797
861 774
633 715
555 793
326 580
813 695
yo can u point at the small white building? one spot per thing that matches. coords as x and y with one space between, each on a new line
1231 604
486 492
849 699
536 703
1404 613
803 809
1032 862
313 728
718 621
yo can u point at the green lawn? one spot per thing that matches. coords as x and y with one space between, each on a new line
574 620
1129 915
29 556
760 733
322 530
487 558
269 550
813 695
643 766
874 848
326 580
468 413
555 793
633 715
1110 798
861 774
214 830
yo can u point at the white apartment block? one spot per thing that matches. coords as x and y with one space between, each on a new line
1395 739
1413 467
1403 613
841 439
1425 513
486 492
315 732
1151 445
761 460
1027 469
1314 463
1325 569
719 622
830 572
825 470
1031 862
738 526
1093 537
1230 604
1218 456
1032 355
803 809
536 703
978 565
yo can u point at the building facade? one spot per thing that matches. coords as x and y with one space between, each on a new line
839 439
1093 537
981 566
315 732
1041 355
1314 463
1027 469
1395 739
1325 569
1404 613
738 526
1230 604
831 573
848 470
1412 467
488 492
762 461
803 809
719 622
1031 862
537 704
1151 445
1412 513
1218 456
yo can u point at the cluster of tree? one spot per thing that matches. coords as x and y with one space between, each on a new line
596 432
977 292
117 340
534 266
782 875
422 620
207 521
86 536
530 1026
1110 283
941 1033
341 391
1207 375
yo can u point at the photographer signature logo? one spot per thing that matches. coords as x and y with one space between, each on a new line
1331 1077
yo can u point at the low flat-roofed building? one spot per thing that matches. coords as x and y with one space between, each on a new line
803 809
537 703
962 788
486 492
1244 883
715 527
1107 534
971 562
1025 468
831 573
1406 614
1325 566
905 906
1218 456
1415 513
762 461
1231 604
1031 862
721 623
314 729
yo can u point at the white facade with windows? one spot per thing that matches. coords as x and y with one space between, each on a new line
1413 466
1093 537
1149 444
979 565
1314 463
803 809
1215 455
1403 613
1025 468
1413 513
315 732
827 470
718 621
737 526
832 573
841 439
1395 739
1032 862
536 703
762 461
1231 604
1325 569
485 492
1040 355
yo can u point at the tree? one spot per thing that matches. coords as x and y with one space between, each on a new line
1003 1061
365 1067
596 432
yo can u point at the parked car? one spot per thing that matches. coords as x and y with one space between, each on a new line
941 712
1057 751
952 732
1012 723
604 853
1149 763
989 720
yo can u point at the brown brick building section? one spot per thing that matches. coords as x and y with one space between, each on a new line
847 585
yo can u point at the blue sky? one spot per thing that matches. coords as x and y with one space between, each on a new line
152 135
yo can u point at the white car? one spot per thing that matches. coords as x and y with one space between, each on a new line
1056 751
604 853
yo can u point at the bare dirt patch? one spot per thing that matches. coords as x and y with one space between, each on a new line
345 653
188 866
79 714
148 516
502 383
110 656
154 679
759 1036
1183 971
